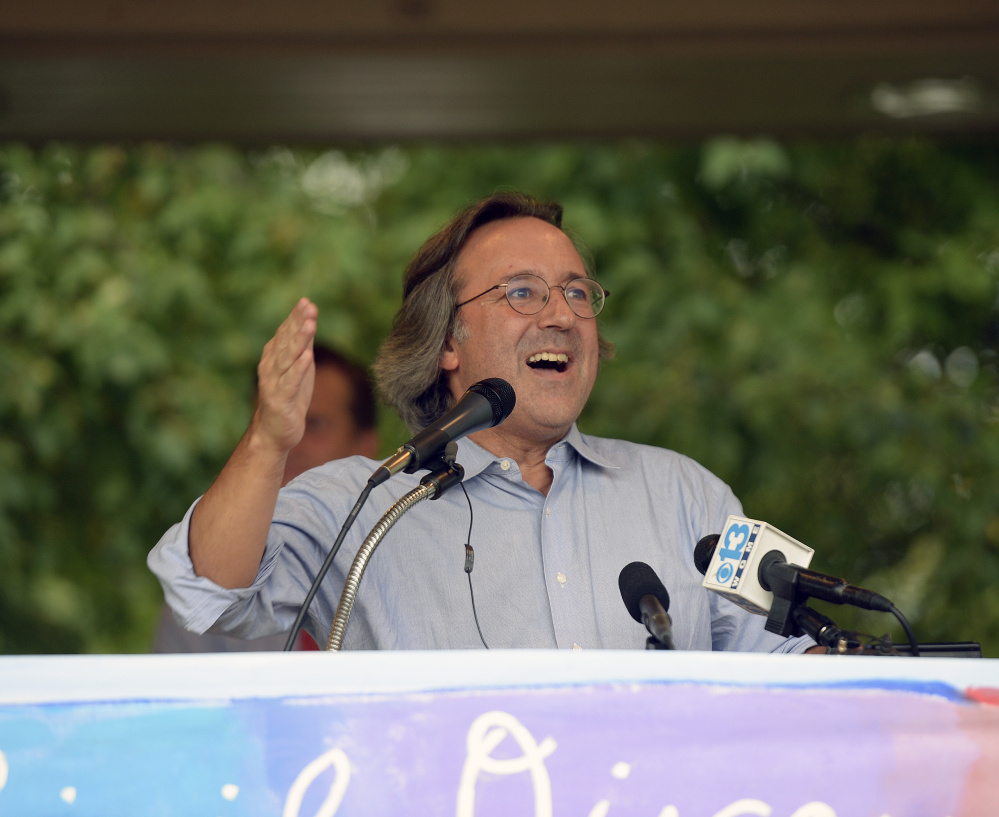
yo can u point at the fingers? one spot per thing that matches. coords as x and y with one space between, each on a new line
285 377
294 335
293 338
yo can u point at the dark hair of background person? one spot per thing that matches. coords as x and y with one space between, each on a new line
363 408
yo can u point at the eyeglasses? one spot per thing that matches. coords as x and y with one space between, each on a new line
528 293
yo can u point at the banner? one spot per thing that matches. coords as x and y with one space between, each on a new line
548 734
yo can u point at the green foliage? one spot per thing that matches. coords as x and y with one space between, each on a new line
816 323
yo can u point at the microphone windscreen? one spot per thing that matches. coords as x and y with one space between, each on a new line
636 580
500 395
704 552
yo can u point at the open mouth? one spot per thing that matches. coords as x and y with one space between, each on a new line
558 361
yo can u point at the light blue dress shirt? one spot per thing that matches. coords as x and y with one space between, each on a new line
545 569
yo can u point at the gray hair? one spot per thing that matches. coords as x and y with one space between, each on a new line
407 370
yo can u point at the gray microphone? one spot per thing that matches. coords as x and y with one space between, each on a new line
646 598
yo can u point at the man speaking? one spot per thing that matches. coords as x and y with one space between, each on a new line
550 514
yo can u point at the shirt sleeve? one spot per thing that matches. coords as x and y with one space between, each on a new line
198 603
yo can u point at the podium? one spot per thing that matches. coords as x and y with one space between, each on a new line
534 733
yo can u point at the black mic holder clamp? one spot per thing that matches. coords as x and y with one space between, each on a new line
824 631
788 615
444 472
431 439
780 619
653 643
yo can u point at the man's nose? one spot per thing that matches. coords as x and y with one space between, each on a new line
556 312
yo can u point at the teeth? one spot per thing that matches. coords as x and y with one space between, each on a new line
561 357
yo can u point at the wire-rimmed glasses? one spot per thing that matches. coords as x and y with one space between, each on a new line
528 293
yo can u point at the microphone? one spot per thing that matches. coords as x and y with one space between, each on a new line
646 598
486 404
766 572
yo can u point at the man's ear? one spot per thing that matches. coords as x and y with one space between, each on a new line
449 355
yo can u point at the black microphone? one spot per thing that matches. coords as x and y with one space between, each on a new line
646 598
486 404
776 575
704 552
774 569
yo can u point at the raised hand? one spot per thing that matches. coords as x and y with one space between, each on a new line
229 526
285 378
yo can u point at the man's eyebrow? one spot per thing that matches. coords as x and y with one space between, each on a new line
506 278
569 275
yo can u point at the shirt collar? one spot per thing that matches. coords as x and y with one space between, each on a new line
588 452
475 459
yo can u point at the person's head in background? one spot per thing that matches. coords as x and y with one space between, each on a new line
341 417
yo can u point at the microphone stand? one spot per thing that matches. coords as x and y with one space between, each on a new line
789 615
824 631
444 474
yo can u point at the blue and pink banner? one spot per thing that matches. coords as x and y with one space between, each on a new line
559 734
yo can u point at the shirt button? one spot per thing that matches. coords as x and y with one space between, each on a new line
577 648
505 465
561 578
548 511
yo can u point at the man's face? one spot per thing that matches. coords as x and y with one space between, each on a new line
501 342
330 430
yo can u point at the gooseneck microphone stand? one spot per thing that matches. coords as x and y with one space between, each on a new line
444 474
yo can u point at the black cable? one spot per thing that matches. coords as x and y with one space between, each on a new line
326 566
469 561
908 631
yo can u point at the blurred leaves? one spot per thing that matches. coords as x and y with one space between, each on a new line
816 323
